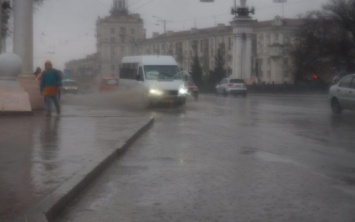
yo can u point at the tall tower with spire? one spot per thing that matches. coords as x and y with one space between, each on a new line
242 44
119 6
117 36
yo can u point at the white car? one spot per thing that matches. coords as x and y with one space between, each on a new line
342 94
232 86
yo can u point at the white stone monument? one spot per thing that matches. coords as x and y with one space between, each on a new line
23 47
242 44
22 95
13 98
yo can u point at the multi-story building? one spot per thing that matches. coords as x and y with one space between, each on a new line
185 45
122 34
117 36
83 68
273 63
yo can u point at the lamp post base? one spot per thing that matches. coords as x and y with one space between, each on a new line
13 99
31 86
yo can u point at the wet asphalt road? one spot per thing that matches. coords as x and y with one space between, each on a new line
38 154
263 158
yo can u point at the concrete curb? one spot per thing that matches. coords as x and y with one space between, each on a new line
51 206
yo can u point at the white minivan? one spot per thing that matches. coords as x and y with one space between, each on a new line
157 78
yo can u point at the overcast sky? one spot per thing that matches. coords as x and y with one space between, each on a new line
65 29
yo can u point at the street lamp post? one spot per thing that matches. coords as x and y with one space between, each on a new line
165 36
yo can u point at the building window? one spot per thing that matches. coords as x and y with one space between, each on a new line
267 39
268 74
113 40
112 30
122 31
286 38
133 31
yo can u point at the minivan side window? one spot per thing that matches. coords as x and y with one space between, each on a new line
129 70
140 74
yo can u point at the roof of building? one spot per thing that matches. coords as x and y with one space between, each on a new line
220 29
285 22
124 16
194 32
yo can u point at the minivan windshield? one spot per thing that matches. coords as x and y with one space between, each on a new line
162 72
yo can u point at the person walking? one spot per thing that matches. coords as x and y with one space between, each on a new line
38 71
50 84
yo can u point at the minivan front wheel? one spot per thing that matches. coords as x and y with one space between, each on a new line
336 108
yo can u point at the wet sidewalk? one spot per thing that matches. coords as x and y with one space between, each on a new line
38 154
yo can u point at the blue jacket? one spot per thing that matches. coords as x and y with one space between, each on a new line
50 78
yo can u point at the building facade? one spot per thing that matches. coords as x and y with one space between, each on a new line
122 34
184 45
117 36
273 63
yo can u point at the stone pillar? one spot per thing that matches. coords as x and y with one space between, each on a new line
23 46
1 48
248 57
243 33
237 56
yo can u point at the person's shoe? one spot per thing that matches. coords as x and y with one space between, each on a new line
48 114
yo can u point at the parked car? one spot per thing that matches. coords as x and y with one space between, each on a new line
232 86
108 84
342 94
69 86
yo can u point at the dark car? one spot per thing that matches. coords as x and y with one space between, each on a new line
69 86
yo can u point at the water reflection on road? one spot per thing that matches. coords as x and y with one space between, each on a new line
37 154
261 158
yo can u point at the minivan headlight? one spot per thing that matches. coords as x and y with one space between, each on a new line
183 90
155 92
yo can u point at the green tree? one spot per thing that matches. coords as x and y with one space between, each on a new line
219 72
5 17
6 10
325 41
196 72
342 12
